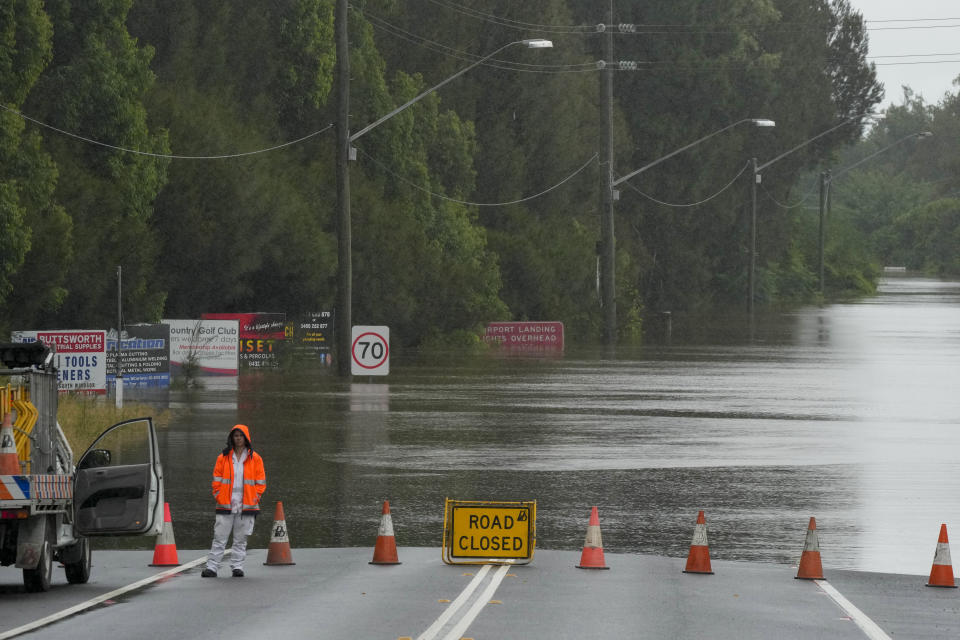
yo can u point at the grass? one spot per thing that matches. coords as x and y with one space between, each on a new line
84 417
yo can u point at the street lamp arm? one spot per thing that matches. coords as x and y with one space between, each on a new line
808 141
692 144
839 172
530 43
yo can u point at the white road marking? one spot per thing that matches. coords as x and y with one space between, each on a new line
457 632
870 628
438 624
36 624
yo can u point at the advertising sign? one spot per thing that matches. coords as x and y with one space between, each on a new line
211 346
312 334
526 337
145 355
81 359
260 336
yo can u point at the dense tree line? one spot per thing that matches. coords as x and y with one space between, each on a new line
200 223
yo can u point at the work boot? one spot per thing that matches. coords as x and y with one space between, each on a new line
238 573
208 573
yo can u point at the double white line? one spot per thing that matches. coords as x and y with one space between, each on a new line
456 631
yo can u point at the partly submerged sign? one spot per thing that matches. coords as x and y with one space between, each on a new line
81 357
546 337
210 347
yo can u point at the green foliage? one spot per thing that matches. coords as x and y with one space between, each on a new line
94 86
223 77
897 204
930 237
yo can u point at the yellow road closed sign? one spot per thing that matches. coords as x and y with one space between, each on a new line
491 531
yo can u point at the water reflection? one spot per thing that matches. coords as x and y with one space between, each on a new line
847 412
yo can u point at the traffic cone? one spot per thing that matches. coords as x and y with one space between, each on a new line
941 575
810 567
385 551
165 552
278 553
592 555
9 462
698 560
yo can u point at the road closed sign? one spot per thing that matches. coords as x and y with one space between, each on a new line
482 532
370 351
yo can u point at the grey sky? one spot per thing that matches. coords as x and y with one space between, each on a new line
924 75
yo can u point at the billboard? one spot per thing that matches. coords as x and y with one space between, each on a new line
81 358
312 334
209 345
145 355
260 336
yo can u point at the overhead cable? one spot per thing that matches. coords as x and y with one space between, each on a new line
690 204
806 197
507 22
479 204
163 155
398 32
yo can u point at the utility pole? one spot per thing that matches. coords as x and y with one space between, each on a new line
118 378
824 199
607 241
751 275
343 316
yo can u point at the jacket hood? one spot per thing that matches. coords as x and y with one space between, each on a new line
245 430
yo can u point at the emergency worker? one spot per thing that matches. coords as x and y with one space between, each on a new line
238 483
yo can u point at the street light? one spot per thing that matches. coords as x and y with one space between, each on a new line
757 122
826 181
753 199
530 44
613 195
345 153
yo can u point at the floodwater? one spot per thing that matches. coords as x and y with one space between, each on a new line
849 413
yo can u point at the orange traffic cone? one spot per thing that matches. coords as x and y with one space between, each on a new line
9 462
941 575
698 560
385 551
592 555
165 552
810 567
279 550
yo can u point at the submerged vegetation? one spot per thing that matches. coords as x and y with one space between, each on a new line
83 417
180 80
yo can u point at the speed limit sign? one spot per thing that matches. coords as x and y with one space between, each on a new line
370 351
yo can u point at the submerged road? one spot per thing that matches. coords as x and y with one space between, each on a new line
335 593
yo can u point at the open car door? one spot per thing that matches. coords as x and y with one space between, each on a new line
118 485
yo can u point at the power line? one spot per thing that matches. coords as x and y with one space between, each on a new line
667 29
589 67
788 206
403 34
479 204
915 55
690 204
161 155
507 22
893 64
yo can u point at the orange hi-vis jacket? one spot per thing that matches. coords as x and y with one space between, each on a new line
254 477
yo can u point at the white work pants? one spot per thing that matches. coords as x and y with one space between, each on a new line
241 526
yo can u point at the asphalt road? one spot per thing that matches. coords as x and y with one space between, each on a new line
335 593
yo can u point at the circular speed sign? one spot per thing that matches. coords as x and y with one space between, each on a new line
370 351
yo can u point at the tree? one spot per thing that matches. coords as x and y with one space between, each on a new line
94 87
30 279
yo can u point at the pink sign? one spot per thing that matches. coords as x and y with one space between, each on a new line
526 336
